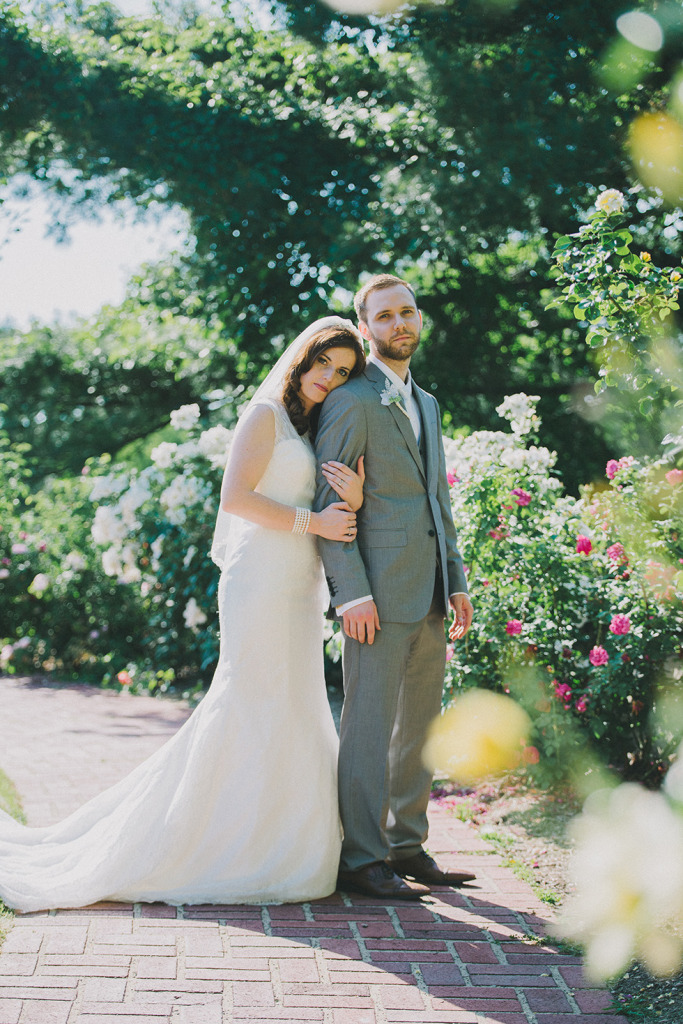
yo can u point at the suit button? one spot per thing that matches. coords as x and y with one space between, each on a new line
431 533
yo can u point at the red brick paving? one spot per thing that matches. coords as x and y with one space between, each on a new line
471 956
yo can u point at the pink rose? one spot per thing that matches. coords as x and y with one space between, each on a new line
498 534
674 476
124 678
581 705
513 626
452 479
522 497
584 545
19 549
450 651
563 692
617 554
598 656
620 625
615 466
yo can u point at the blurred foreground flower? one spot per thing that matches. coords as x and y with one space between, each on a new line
482 734
628 873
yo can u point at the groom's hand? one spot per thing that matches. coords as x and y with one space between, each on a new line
361 622
462 606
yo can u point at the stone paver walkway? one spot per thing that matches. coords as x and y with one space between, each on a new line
469 956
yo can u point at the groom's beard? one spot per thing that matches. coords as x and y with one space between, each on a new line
400 348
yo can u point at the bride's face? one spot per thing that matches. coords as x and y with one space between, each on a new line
330 369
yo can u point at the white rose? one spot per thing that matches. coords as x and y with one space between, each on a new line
107 527
106 486
111 562
214 445
75 561
182 493
513 457
610 201
185 417
130 573
39 584
193 615
162 455
186 451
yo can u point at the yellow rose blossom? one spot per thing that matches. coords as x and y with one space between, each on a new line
482 734
645 257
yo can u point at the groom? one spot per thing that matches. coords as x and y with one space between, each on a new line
391 588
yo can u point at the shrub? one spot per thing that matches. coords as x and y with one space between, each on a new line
576 599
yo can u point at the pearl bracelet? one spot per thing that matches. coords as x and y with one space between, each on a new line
302 520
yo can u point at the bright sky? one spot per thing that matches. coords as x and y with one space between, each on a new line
41 279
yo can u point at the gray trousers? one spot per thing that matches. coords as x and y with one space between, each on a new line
392 691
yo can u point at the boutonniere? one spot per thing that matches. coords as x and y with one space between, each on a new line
392 396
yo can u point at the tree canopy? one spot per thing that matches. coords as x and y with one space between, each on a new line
451 144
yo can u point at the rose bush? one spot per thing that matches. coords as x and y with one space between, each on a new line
577 600
58 608
154 528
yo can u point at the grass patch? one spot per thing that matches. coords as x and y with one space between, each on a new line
10 802
504 843
9 798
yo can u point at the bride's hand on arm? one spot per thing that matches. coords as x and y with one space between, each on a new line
347 484
336 522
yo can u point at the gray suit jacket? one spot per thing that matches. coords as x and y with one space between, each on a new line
405 526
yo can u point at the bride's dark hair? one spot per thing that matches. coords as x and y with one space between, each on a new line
327 337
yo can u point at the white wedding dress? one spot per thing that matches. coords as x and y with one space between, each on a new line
240 806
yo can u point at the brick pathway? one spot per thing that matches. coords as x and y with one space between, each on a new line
470 956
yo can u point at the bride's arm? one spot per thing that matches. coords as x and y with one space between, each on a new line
250 453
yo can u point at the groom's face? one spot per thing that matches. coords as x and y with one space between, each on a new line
393 323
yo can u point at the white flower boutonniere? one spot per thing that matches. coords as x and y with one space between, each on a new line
392 396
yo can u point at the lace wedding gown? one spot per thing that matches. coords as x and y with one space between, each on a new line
240 806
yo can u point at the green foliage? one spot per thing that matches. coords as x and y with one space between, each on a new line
626 303
444 143
74 394
58 609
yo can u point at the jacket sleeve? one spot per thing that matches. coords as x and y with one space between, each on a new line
341 435
457 581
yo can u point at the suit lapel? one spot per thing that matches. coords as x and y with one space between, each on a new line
429 425
401 419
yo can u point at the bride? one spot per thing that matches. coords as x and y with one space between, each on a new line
240 806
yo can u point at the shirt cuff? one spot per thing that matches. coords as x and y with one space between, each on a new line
340 609
459 593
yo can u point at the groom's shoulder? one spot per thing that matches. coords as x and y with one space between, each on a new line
354 391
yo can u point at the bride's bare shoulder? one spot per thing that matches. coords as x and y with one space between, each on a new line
257 423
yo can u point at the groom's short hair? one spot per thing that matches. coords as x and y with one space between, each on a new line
376 284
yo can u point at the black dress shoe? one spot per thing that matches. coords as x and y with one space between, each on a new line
379 880
424 868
